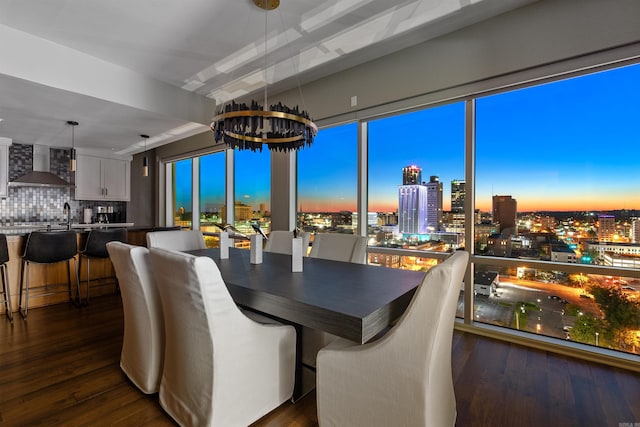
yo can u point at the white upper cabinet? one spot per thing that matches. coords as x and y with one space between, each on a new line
102 178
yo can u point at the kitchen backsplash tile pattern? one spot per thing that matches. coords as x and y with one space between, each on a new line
20 160
45 204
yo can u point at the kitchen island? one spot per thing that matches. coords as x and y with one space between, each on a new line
55 275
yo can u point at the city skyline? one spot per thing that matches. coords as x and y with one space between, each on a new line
570 145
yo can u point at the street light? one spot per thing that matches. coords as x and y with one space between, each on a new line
597 335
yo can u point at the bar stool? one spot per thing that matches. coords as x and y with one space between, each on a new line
6 291
96 247
48 247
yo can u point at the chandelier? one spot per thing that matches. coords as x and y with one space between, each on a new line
245 126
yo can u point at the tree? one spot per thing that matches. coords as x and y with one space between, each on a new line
585 329
622 315
620 312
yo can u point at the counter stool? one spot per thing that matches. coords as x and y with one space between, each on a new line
96 247
48 247
6 291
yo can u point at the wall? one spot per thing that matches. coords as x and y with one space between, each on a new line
140 210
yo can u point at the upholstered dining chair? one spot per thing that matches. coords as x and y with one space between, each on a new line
340 247
404 378
280 242
221 368
142 353
176 240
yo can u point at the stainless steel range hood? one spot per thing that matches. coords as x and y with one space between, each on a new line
40 176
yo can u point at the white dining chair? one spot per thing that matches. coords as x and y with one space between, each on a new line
221 368
142 353
404 378
340 247
176 240
280 241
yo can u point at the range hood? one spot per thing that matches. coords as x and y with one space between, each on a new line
40 176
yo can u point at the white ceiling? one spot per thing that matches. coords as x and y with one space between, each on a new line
122 68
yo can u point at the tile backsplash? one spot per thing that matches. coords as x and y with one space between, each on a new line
45 204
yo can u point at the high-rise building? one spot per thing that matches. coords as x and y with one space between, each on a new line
412 209
411 175
434 204
548 223
457 195
606 228
504 213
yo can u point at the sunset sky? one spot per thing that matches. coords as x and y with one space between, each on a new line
569 145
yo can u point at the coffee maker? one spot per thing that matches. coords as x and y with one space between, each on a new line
104 214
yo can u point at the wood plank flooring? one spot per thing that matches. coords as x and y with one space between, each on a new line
61 367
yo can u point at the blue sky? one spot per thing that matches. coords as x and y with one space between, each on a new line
568 145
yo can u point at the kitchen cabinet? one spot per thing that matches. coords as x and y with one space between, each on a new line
102 178
4 166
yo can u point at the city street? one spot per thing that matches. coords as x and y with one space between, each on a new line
544 315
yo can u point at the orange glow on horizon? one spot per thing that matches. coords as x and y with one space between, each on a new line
554 203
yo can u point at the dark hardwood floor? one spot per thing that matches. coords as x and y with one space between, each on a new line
61 367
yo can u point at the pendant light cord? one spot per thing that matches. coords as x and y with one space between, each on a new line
266 106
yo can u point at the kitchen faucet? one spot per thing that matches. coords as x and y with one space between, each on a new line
66 210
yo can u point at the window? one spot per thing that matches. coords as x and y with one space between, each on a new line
212 193
327 181
556 180
182 193
253 191
416 166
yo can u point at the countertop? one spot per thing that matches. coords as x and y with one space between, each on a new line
102 225
21 229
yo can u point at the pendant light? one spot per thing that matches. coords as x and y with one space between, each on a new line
72 157
250 126
145 159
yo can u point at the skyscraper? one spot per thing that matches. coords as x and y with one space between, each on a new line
504 213
457 195
412 202
419 205
434 204
412 209
411 175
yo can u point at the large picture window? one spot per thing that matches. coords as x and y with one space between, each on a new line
182 193
212 193
556 180
327 181
416 181
253 190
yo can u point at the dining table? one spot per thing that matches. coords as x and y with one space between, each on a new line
352 301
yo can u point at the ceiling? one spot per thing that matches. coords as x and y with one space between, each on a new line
158 67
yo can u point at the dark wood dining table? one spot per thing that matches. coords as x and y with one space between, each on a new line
353 301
